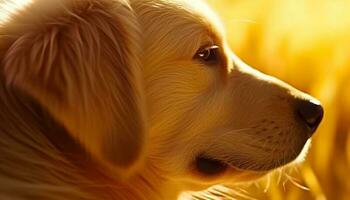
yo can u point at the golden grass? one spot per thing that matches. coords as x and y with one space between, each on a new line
305 43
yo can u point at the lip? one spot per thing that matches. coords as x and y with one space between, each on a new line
235 174
209 166
215 165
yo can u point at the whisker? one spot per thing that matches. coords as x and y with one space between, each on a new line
232 193
268 183
234 131
294 182
280 172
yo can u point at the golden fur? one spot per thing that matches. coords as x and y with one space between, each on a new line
106 99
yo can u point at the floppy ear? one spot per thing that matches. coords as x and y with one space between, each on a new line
79 60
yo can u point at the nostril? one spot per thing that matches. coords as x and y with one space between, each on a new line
310 112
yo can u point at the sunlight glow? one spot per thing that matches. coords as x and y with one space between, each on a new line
304 152
9 7
306 44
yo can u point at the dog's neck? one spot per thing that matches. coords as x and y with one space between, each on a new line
40 154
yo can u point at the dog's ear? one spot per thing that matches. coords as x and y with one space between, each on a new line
80 60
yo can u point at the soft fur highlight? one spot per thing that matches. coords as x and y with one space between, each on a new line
114 99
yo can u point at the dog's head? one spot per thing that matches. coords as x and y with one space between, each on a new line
210 117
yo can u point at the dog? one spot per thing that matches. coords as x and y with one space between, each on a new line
139 99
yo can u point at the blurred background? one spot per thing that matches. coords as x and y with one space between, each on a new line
307 44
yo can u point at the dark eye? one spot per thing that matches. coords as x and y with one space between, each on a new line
208 55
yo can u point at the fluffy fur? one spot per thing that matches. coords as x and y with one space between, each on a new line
110 99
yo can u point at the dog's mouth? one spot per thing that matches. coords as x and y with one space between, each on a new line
209 166
212 167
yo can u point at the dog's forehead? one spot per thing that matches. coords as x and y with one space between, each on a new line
191 21
194 11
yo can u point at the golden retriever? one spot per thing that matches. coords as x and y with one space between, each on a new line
139 99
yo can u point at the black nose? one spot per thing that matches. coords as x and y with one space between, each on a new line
310 112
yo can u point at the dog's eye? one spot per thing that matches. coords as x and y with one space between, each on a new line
208 55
